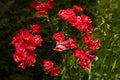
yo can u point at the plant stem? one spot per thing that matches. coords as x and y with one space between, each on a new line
89 77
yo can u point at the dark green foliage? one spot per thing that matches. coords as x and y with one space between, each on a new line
16 15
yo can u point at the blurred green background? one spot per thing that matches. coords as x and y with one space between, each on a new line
16 15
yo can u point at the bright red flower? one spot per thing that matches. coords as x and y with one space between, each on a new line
18 57
35 28
31 59
30 46
50 4
89 29
84 27
59 36
79 54
60 46
72 21
42 9
86 19
66 14
70 43
16 39
22 65
33 4
86 38
84 63
48 65
78 9
55 71
93 45
77 22
19 46
25 35
37 40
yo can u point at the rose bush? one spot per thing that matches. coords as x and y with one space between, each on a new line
58 40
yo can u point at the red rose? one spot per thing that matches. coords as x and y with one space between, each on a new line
48 65
72 21
93 45
66 14
17 57
42 9
84 27
37 40
16 39
31 59
25 35
55 71
86 19
30 46
59 36
35 28
78 9
19 46
86 38
84 63
50 4
70 43
79 54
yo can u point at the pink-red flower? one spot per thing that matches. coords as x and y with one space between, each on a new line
80 54
78 9
19 46
58 36
30 46
25 35
86 19
55 71
37 39
31 59
60 46
71 43
72 21
66 14
86 38
84 63
50 4
48 65
35 28
18 57
84 27
42 9
93 45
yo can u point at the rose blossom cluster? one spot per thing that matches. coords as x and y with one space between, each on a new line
25 43
83 24
85 58
62 45
49 67
42 7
